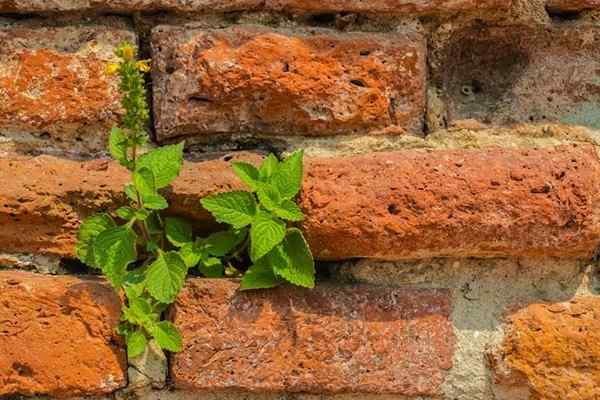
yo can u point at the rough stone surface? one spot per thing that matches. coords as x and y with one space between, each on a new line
387 6
506 75
250 79
572 5
482 291
57 336
551 351
454 203
333 339
54 92
45 198
148 370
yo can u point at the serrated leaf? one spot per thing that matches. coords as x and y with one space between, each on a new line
165 162
130 191
266 232
117 144
125 213
220 243
133 283
247 173
300 270
211 267
190 254
136 344
178 231
167 336
88 231
268 196
289 210
144 181
114 249
234 208
259 276
165 276
155 202
287 179
268 167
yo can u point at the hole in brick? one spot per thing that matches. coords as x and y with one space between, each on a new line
45 136
199 99
170 69
322 19
358 82
286 67
365 53
563 15
228 157
393 209
22 369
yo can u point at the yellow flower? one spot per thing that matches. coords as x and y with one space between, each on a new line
143 65
112 68
128 52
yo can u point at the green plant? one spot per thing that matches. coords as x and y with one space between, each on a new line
147 257
262 222
134 255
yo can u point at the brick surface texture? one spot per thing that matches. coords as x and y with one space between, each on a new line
507 75
53 84
328 340
279 82
552 349
493 202
57 336
573 5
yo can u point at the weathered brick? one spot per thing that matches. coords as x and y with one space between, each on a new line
458 203
387 6
551 351
249 79
505 75
44 198
333 339
54 91
57 336
572 5
194 6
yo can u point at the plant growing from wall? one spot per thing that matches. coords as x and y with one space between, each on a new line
262 220
147 257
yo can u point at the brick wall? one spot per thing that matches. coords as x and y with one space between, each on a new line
452 195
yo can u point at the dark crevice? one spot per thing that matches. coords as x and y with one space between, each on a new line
559 15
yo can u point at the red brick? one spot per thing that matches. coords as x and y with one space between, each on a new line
261 81
54 91
333 339
572 5
455 203
551 351
388 6
30 6
44 198
508 75
57 336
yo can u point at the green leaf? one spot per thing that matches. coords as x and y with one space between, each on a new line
134 283
143 180
234 208
117 144
268 167
266 232
136 344
165 276
191 254
88 231
114 249
178 231
155 202
268 196
288 177
290 211
247 173
259 276
139 312
130 191
220 243
167 336
300 268
125 213
212 267
165 162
